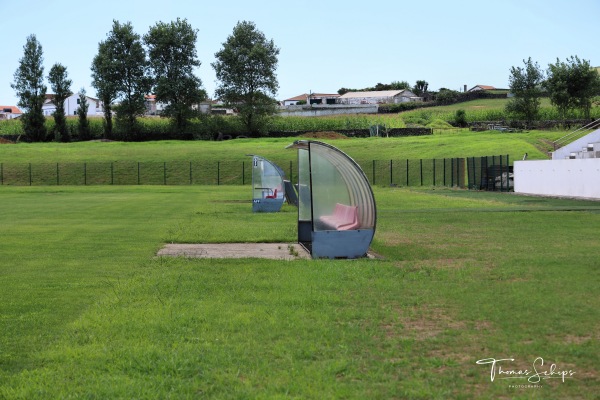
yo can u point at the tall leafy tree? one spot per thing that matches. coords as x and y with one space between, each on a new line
172 57
245 68
61 86
126 64
30 89
83 125
525 84
420 87
105 80
572 85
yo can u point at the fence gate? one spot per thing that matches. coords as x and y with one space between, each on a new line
492 173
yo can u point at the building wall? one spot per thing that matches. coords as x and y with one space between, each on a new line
71 105
568 178
317 110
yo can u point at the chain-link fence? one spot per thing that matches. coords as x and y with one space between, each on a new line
481 173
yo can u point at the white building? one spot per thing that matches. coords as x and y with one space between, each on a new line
312 98
379 97
72 104
574 170
9 112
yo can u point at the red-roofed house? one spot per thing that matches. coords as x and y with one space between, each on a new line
9 112
481 87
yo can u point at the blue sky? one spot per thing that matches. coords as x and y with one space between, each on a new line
324 45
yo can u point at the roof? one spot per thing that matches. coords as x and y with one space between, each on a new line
13 109
312 95
483 87
50 97
379 93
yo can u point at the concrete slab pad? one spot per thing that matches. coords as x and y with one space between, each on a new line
275 251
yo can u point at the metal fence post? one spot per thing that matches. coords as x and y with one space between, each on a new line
164 172
452 172
444 172
507 174
373 172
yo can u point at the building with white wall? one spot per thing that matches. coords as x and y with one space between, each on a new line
72 104
9 112
379 97
574 170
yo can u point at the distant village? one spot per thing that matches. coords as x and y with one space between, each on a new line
306 104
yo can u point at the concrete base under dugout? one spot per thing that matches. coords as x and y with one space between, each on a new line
275 251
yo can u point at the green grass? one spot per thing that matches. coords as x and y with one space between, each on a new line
457 144
88 311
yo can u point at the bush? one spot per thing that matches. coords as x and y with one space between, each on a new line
460 118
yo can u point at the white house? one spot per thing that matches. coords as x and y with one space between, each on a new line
72 104
379 97
9 112
312 98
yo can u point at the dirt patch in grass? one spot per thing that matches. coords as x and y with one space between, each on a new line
452 263
422 324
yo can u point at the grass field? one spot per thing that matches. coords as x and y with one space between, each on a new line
453 144
89 311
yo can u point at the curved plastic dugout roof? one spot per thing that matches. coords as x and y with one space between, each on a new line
268 192
329 179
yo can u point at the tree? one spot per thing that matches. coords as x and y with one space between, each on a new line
105 81
572 85
61 86
30 89
446 96
122 58
460 118
172 58
83 126
525 84
420 87
245 68
398 85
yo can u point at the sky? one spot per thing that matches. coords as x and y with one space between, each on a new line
324 45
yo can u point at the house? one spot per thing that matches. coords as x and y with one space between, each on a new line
481 87
312 98
152 106
379 97
71 105
9 112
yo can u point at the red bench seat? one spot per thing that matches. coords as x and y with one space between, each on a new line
343 218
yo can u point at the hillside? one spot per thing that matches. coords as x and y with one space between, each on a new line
461 143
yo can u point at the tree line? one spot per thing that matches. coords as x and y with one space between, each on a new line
570 85
128 66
